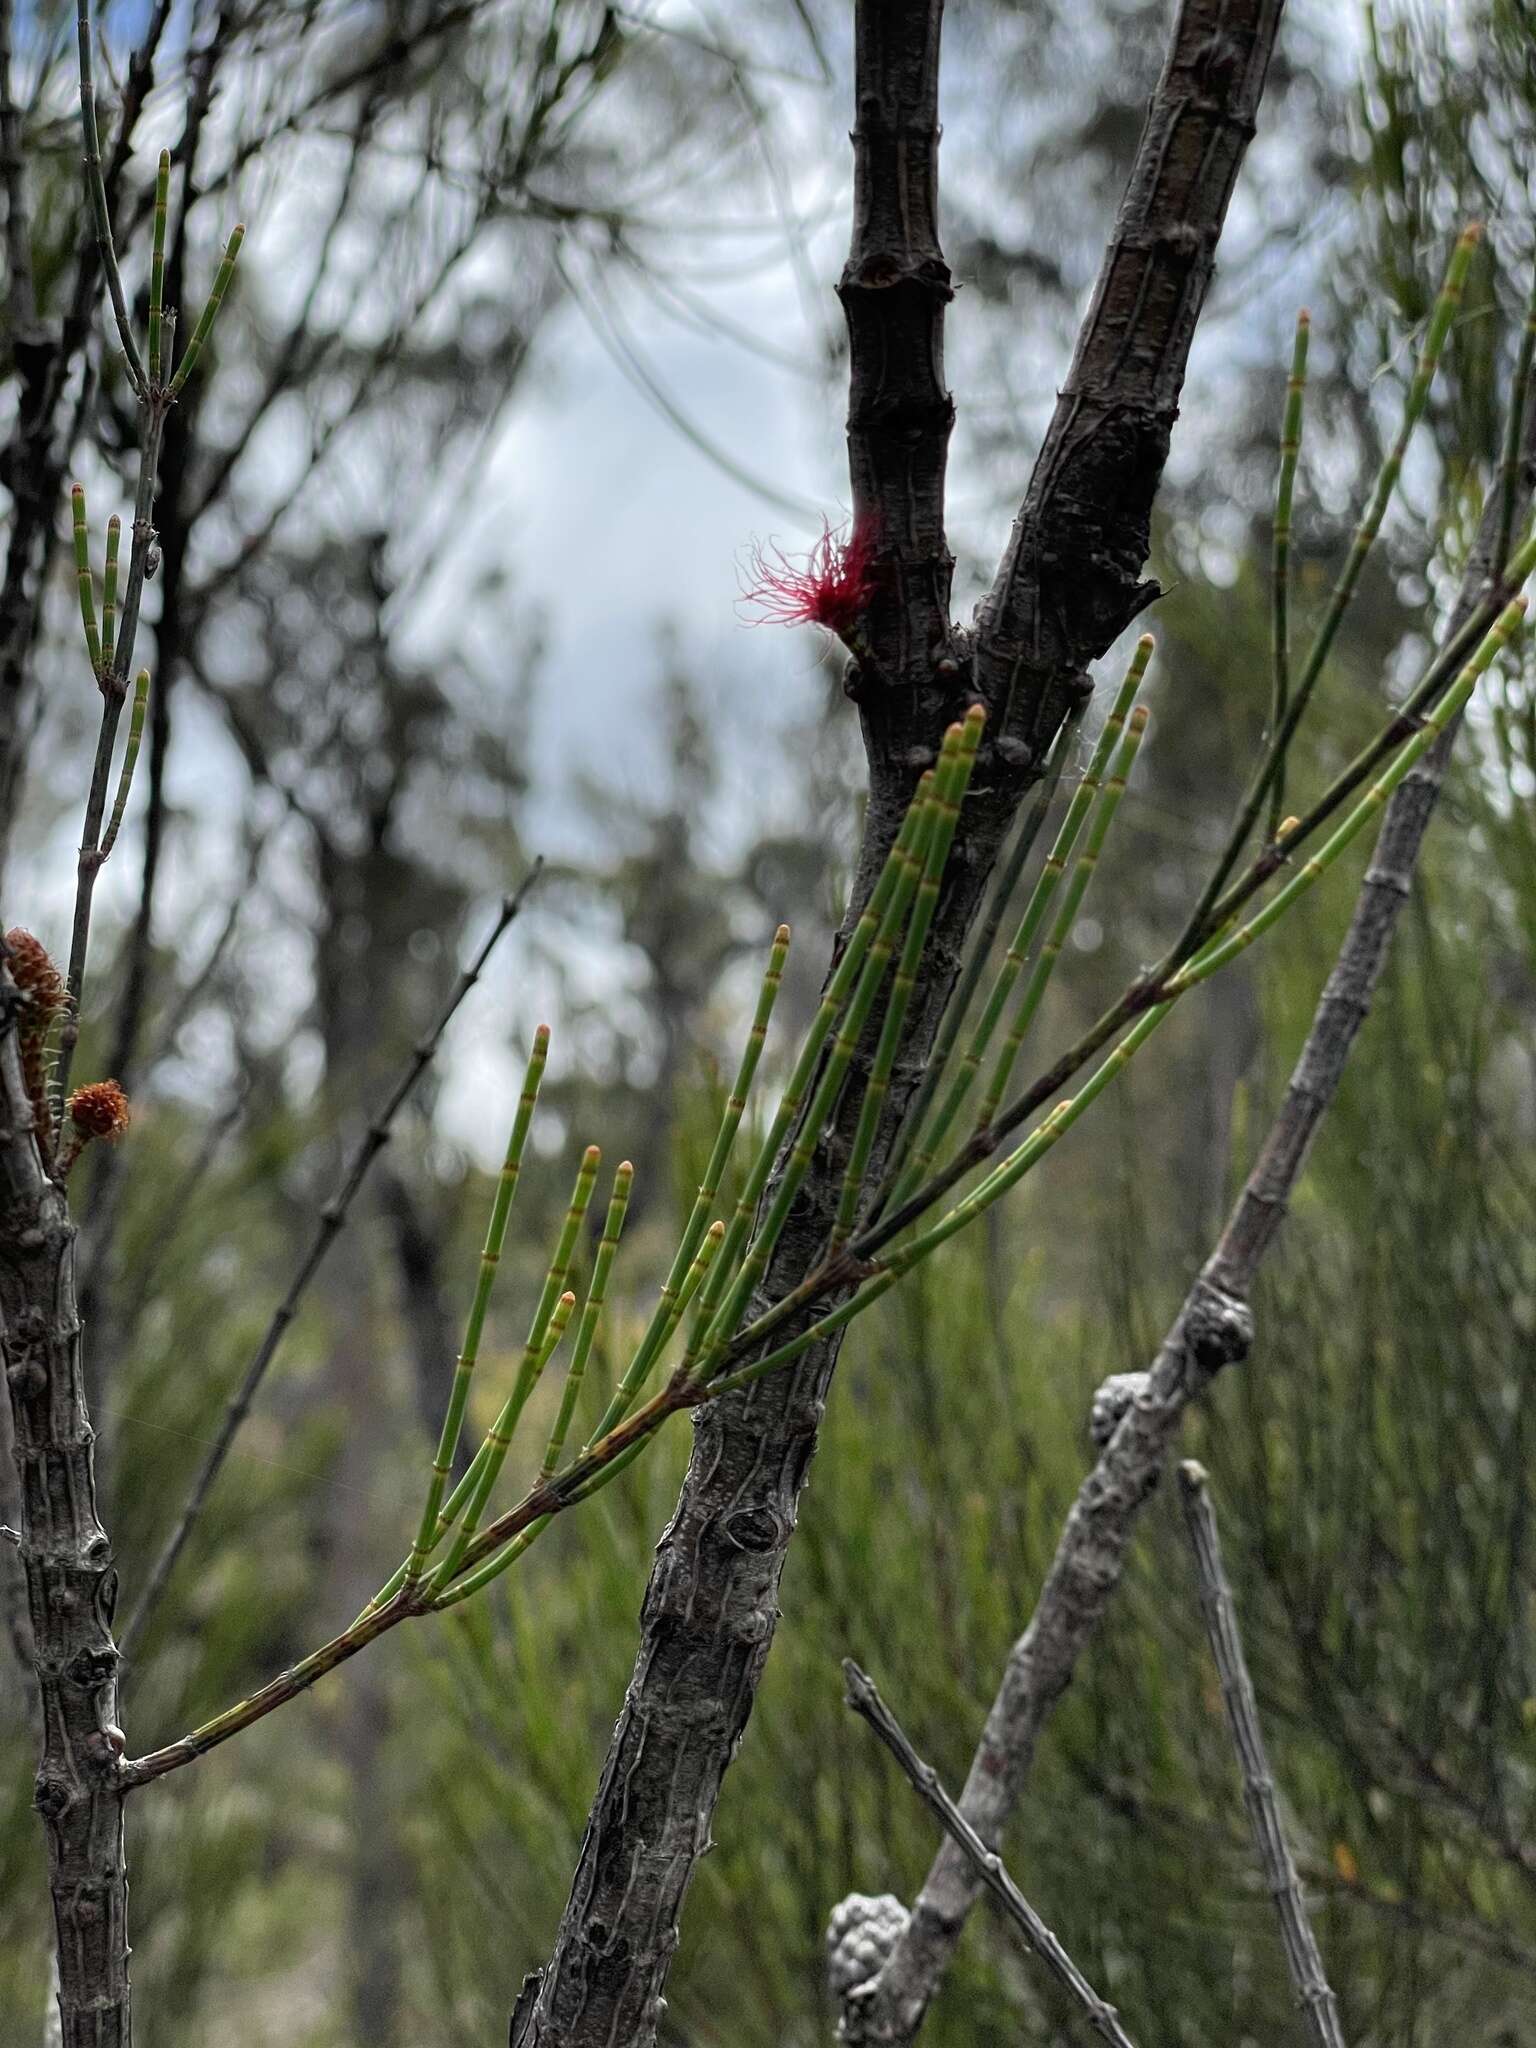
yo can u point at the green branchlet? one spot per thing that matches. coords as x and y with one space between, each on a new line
109 593
1285 485
483 1474
157 264
1105 808
210 312
930 1142
85 581
469 1351
130 761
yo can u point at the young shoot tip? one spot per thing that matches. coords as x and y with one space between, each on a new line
781 936
1139 717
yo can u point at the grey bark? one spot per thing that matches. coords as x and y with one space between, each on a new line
1302 1957
71 1581
1137 1426
1067 587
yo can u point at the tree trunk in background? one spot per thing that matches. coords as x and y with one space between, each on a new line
1067 587
357 956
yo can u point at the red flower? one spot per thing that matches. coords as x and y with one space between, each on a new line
831 586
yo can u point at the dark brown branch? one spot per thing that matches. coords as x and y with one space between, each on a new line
1302 1957
861 1694
1068 583
327 1228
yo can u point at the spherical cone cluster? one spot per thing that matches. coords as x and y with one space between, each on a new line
100 1110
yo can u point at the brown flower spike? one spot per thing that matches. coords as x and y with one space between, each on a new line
44 998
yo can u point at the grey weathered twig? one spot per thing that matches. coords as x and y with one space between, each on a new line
1214 1328
327 1228
1302 1957
864 1698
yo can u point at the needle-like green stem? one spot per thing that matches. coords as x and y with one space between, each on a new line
469 1350
1280 580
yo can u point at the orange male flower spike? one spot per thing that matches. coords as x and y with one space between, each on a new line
830 587
99 1110
44 998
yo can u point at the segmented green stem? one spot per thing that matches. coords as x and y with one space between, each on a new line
1066 916
980 953
157 264
669 1304
1514 431
209 314
500 1560
639 1369
1438 331
934 858
1039 902
1201 919
109 593
839 983
907 856
96 187
591 1315
130 760
83 578
1004 1176
1290 452
1453 702
469 1351
483 1474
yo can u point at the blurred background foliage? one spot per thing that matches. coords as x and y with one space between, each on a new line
331 808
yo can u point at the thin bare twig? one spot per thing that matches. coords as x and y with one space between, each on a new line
1302 1956
327 1228
861 1694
